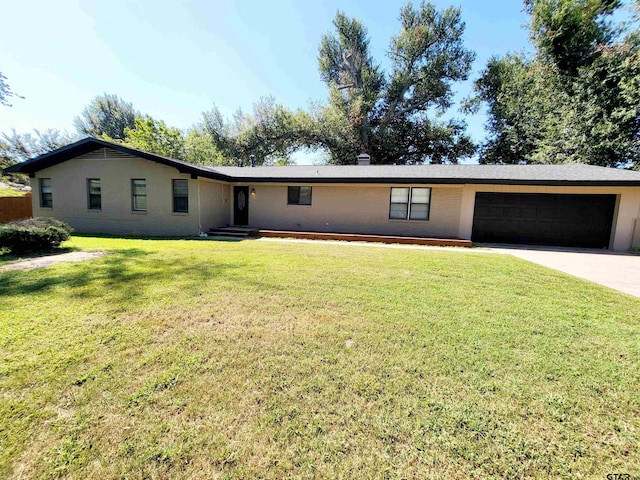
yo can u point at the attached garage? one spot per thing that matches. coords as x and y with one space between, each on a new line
566 220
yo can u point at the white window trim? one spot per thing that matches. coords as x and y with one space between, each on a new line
408 217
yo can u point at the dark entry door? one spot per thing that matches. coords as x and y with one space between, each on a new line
241 206
544 219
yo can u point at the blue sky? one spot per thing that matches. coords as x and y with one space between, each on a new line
174 59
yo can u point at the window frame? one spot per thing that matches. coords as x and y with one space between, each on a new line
300 187
409 204
174 196
90 195
42 193
134 195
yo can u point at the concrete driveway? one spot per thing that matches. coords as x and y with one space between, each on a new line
620 271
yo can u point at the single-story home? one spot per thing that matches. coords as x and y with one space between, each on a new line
103 187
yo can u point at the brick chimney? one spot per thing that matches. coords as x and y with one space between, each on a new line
364 159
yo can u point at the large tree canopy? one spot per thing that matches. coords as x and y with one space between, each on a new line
155 136
106 116
195 146
576 99
393 115
17 147
567 33
271 133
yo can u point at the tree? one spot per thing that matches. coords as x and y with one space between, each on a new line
18 147
567 33
394 116
5 92
271 133
154 136
576 99
200 149
519 100
106 116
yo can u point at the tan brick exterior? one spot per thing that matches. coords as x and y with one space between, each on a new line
335 208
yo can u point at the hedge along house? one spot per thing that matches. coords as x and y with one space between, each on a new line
100 187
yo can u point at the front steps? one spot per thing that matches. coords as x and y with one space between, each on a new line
233 232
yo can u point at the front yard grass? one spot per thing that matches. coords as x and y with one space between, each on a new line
205 359
10 192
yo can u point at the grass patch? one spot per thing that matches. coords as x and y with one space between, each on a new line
182 359
10 192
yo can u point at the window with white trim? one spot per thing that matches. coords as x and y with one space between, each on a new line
410 203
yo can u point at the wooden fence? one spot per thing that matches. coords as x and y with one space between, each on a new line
15 208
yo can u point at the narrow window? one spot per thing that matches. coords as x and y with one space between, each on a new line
139 194
299 196
94 194
410 203
181 196
46 195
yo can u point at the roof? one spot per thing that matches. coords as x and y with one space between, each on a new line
90 144
455 174
563 174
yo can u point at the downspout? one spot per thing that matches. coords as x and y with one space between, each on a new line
199 212
635 236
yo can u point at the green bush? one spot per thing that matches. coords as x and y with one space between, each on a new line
33 235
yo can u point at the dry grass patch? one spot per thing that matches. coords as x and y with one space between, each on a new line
10 192
202 359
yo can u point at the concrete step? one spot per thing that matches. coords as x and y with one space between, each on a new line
237 232
222 233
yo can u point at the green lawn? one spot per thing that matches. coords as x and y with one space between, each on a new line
205 359
10 192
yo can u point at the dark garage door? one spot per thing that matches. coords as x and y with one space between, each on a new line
544 219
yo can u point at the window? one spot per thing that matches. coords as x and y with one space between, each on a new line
299 196
94 194
46 196
181 196
410 203
139 194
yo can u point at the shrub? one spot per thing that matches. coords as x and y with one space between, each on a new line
33 235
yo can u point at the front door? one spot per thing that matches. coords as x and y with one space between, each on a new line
241 206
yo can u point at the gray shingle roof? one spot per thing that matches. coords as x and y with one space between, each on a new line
433 173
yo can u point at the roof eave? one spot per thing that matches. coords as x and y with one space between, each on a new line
439 181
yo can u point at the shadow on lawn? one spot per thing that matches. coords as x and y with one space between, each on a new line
126 275
10 257
75 275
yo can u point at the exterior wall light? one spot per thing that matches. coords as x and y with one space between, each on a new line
253 192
